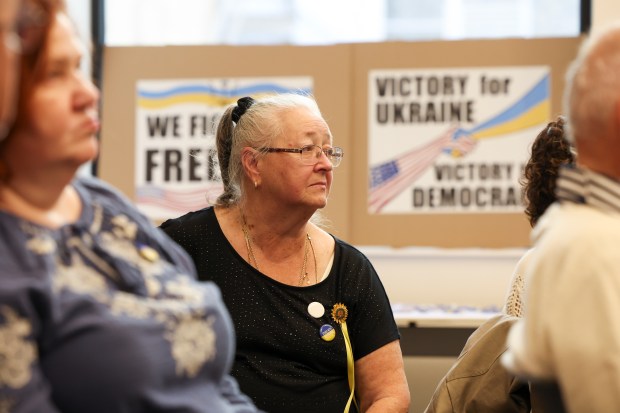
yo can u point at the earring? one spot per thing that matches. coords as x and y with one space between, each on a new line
255 184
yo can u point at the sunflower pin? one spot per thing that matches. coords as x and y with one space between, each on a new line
340 313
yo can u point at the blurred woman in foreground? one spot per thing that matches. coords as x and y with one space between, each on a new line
99 311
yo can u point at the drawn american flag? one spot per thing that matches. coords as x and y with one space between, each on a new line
389 179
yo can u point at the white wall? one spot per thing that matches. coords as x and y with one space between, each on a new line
473 277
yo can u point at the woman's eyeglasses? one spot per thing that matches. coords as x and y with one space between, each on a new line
310 154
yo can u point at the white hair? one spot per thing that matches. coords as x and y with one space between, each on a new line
258 127
593 84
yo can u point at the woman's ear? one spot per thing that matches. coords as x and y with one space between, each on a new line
249 160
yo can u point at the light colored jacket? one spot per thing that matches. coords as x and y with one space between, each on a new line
477 382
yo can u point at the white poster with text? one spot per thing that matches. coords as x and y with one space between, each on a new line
452 140
176 161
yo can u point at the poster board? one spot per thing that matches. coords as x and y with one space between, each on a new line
176 161
459 65
328 67
341 76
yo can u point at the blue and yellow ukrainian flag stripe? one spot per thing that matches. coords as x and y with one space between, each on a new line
532 109
535 116
203 94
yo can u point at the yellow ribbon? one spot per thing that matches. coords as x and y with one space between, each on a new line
339 314
350 367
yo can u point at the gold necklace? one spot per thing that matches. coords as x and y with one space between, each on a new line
303 274
248 243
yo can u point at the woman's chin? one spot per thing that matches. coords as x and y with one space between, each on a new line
87 155
320 204
93 148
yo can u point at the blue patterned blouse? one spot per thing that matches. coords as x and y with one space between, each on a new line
104 315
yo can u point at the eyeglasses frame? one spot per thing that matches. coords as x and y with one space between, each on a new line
301 150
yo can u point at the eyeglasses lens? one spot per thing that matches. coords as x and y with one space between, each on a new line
310 155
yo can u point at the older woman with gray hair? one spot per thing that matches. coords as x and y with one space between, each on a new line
315 328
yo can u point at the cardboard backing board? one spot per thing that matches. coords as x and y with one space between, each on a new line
328 66
340 76
444 230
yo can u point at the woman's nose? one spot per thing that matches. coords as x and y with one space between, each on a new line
88 94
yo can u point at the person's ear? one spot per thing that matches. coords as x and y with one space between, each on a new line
249 160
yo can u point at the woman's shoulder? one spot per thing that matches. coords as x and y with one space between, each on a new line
93 190
524 261
189 219
97 187
352 261
348 250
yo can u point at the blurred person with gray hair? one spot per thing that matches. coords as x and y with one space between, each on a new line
569 340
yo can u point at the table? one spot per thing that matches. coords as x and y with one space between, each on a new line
438 330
